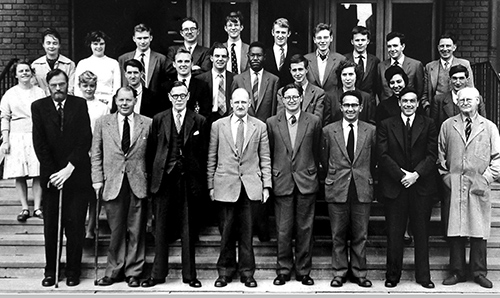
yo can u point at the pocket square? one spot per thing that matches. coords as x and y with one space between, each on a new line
196 133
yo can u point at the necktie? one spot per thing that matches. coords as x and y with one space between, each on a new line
178 122
323 57
240 137
293 120
361 65
408 127
282 58
446 64
126 135
234 62
189 49
350 142
60 111
221 95
255 89
468 128
143 74
396 63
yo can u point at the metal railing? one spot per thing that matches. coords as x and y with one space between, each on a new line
487 81
7 79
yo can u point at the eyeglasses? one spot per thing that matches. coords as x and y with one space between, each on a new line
294 97
187 30
350 105
176 96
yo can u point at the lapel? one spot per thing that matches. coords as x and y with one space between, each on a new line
244 58
285 134
330 63
338 135
458 125
477 128
114 130
167 123
188 124
138 127
69 110
228 76
308 96
303 123
448 105
313 69
262 89
196 53
416 129
51 111
226 131
250 131
247 83
152 63
397 129
272 61
369 65
360 142
434 69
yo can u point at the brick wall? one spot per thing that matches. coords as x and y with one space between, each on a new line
469 20
22 23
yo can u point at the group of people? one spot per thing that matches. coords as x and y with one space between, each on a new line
229 129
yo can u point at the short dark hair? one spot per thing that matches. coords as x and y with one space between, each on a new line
182 50
178 84
133 63
394 70
234 17
292 86
449 35
394 34
297 58
346 64
56 72
143 28
407 90
125 88
191 19
95 36
52 32
321 27
256 44
21 62
354 93
282 22
217 45
459 68
360 30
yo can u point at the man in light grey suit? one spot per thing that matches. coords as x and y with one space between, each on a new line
238 60
239 176
118 160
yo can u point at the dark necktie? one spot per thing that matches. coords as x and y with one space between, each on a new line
282 58
60 111
240 137
293 120
255 89
126 135
361 65
234 61
178 124
350 143
323 57
221 96
468 128
143 74
396 63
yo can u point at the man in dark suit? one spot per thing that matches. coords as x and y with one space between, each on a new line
349 160
119 170
219 82
278 56
62 139
239 176
312 96
293 139
155 64
189 32
414 69
407 151
176 162
238 59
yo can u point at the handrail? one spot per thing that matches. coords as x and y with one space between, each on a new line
487 81
7 80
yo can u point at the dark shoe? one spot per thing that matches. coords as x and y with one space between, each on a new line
72 281
428 284
222 281
453 280
48 281
408 240
248 281
362 282
390 284
337 281
105 281
23 216
305 279
133 282
151 282
483 281
38 213
281 279
193 283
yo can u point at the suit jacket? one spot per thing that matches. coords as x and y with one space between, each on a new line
227 170
413 68
244 58
297 166
207 78
200 57
340 168
443 108
157 69
194 154
284 73
199 96
431 77
370 78
266 104
55 148
334 114
110 163
392 156
312 100
149 105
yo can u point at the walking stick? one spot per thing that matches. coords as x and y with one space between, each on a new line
59 237
96 232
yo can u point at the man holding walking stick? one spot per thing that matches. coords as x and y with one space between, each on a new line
62 139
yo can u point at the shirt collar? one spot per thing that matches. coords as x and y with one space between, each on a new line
192 46
234 119
147 53
259 72
121 118
345 124
277 48
327 53
138 89
215 73
288 115
449 61
412 118
355 55
473 118
188 80
237 43
400 60
57 103
183 113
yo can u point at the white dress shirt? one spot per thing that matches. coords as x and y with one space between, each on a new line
215 88
277 53
234 126
346 129
252 79
131 121
147 56
404 117
355 55
322 65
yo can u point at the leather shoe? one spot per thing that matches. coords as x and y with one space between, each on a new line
151 282
390 284
222 281
48 281
428 284
337 281
249 281
194 283
483 281
281 279
133 282
72 281
453 280
105 281
305 279
362 282
408 240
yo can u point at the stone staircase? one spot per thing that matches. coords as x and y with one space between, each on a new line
22 247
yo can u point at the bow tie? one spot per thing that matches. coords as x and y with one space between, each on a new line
323 57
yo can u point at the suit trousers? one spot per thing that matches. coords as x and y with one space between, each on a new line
126 216
74 210
233 215
172 203
397 211
349 218
477 257
295 211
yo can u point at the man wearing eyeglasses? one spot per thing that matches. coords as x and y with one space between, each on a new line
176 163
200 57
294 136
348 157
